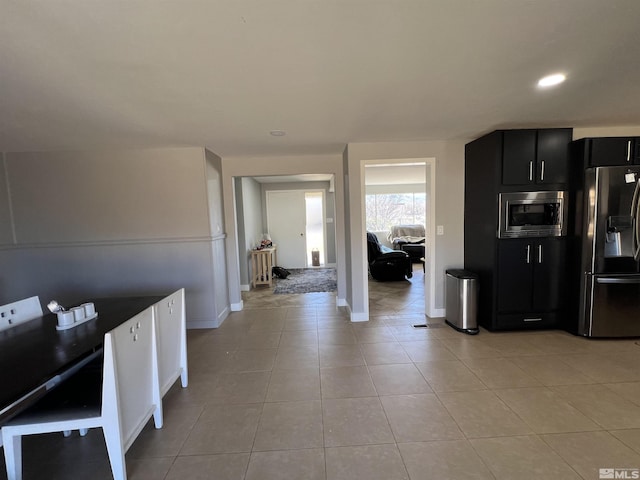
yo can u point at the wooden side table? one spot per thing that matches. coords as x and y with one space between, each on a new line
262 261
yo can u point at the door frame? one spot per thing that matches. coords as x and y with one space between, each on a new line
430 187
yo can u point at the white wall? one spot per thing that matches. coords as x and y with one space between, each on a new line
105 223
264 166
102 196
218 270
357 247
393 188
399 174
621 131
346 226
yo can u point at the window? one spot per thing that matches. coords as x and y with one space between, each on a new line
383 210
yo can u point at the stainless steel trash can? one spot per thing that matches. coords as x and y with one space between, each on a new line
461 300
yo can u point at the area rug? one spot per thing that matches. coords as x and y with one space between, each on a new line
307 280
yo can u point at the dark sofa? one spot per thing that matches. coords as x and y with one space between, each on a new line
386 264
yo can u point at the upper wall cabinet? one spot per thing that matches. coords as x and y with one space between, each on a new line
608 151
536 157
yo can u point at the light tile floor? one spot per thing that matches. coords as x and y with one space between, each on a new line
290 389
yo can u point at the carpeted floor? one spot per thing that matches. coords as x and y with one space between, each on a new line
307 280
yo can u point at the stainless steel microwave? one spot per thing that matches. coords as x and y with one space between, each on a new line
532 214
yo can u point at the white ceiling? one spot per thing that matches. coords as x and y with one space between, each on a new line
77 74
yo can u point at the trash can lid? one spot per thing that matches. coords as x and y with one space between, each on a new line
461 273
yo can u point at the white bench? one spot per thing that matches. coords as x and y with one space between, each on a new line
129 396
171 334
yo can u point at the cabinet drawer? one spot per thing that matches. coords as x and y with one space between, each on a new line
522 321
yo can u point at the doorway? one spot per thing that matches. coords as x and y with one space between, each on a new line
402 191
297 194
295 222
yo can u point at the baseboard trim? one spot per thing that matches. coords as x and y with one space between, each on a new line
202 324
223 315
237 307
359 317
341 302
245 288
437 313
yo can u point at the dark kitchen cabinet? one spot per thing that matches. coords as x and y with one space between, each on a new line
530 274
609 151
514 294
536 157
549 273
518 157
531 281
515 275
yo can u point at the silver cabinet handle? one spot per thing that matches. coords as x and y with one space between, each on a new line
539 253
528 253
542 171
531 171
533 319
629 151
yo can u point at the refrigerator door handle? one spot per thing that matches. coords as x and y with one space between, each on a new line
634 202
635 215
636 253
618 280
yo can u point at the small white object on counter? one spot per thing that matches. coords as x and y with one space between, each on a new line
75 316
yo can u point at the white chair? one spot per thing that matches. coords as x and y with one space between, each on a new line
15 313
171 334
129 396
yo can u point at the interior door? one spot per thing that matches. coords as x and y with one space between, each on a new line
286 221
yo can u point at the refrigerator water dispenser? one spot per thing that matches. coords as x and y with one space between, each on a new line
619 237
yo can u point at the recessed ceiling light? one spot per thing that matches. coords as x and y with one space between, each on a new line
278 133
551 80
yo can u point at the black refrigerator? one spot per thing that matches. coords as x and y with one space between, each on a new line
610 250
